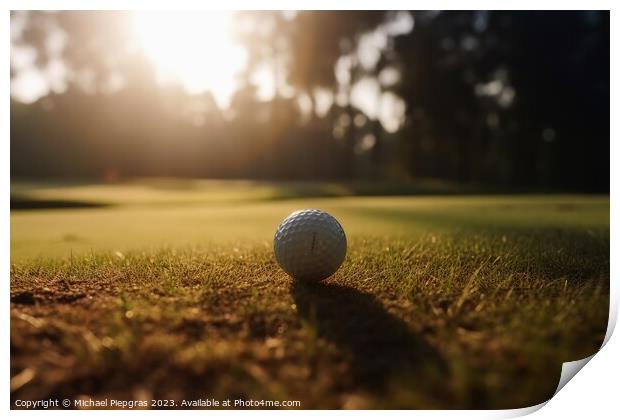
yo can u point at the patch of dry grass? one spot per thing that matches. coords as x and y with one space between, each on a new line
460 318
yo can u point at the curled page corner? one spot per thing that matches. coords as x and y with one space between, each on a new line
569 370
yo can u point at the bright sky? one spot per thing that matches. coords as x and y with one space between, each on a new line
196 50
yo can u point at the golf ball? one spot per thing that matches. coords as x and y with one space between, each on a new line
310 245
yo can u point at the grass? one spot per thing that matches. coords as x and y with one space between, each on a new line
442 302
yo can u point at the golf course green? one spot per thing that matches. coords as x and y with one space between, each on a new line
169 289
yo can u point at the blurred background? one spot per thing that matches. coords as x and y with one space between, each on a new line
503 100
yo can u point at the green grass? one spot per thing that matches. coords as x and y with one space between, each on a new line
172 291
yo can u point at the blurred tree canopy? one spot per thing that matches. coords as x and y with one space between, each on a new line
509 99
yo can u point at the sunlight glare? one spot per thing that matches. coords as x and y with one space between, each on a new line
194 49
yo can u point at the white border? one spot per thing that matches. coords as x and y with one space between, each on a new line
593 394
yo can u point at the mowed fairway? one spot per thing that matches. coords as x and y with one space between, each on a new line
170 290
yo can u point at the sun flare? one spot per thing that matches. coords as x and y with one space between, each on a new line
194 49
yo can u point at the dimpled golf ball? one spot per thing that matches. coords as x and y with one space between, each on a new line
310 245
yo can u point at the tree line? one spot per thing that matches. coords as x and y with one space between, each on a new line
511 99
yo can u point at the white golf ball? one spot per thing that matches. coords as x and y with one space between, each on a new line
310 245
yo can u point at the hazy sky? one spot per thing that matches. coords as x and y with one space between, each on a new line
211 33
